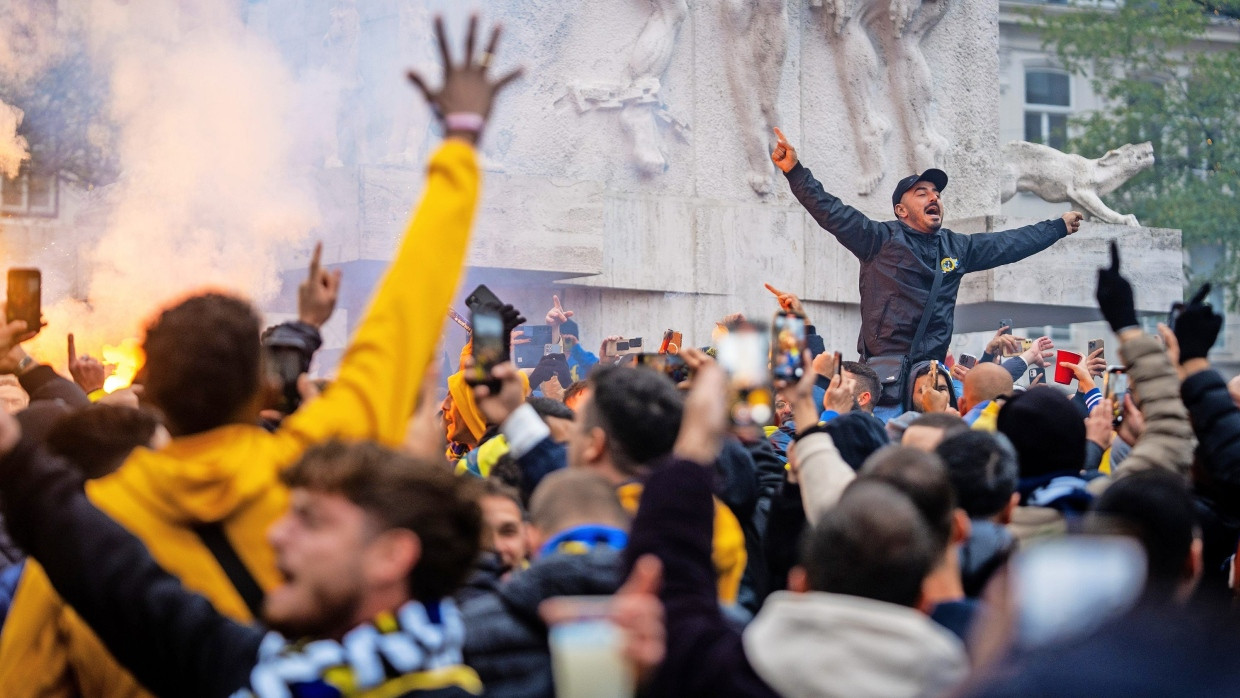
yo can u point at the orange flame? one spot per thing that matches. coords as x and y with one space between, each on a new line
124 360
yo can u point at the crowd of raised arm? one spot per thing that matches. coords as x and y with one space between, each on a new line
224 529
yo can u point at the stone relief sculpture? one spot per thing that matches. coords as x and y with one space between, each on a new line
896 27
758 44
344 143
651 56
1065 177
641 108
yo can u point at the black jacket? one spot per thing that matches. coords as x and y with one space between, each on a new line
506 640
1216 473
898 265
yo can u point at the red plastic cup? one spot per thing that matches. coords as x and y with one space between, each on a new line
1063 374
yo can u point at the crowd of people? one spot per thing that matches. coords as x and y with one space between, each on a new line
225 529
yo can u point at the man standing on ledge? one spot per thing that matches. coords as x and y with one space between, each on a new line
900 258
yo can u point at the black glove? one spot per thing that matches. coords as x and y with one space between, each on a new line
1114 295
1197 327
512 319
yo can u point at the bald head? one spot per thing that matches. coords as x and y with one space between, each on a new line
575 497
985 382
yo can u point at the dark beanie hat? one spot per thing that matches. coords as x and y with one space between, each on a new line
857 435
1046 430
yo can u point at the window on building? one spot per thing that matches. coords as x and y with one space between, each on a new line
30 194
1048 102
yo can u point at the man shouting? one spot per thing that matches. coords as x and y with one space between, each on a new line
901 258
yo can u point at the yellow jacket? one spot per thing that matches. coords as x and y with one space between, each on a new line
230 474
727 550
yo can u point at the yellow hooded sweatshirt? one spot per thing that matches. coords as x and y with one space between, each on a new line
230 474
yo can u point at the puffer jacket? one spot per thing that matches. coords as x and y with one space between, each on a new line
506 640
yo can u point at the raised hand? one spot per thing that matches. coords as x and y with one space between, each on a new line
705 419
317 295
88 372
1072 219
1114 295
1084 381
1096 363
787 301
557 315
498 405
1098 425
784 155
1198 326
464 101
1001 343
805 412
841 394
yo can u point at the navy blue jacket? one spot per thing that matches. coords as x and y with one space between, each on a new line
898 265
506 639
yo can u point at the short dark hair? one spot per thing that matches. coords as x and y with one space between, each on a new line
949 423
98 438
202 361
507 471
923 479
867 380
546 407
492 487
575 389
983 470
1155 507
401 492
873 544
639 411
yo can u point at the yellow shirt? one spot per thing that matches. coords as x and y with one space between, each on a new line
230 473
727 550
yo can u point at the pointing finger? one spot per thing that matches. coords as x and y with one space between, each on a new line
1201 294
72 349
1114 257
780 135
315 259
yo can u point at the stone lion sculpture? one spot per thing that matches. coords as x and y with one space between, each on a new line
1058 177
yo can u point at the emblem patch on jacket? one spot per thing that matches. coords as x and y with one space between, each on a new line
949 264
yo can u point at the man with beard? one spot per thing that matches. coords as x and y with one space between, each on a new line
901 259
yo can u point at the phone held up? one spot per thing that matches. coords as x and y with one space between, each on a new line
25 298
1037 376
670 365
967 360
490 346
744 353
788 346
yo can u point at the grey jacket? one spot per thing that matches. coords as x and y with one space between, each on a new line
898 265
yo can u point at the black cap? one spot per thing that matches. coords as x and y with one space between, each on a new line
936 177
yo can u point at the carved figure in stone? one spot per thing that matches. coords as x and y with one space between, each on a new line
1057 177
344 142
651 56
758 44
896 27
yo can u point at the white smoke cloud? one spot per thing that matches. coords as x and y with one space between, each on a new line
13 148
213 184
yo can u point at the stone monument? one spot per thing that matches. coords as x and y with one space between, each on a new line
629 169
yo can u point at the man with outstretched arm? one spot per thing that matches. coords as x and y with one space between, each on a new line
900 258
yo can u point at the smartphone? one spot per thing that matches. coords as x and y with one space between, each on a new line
967 360
25 298
672 342
1007 322
788 346
1115 387
482 296
282 366
1095 345
744 353
1034 373
669 365
489 347
528 354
